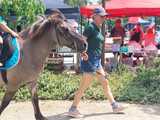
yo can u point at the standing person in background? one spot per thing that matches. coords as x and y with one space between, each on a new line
118 32
91 64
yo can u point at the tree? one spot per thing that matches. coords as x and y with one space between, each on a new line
75 3
25 11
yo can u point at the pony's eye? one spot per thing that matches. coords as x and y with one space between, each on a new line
66 29
65 20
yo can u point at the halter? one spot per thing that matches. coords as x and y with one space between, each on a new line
59 42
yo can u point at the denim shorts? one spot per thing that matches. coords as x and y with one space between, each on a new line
92 64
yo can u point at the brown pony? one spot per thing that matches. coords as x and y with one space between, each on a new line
39 39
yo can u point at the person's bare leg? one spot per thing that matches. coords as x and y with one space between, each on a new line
107 92
105 84
84 84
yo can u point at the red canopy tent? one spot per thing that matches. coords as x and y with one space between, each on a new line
122 8
86 11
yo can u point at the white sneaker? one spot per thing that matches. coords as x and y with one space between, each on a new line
74 113
119 108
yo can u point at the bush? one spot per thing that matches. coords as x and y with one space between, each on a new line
140 86
25 11
144 86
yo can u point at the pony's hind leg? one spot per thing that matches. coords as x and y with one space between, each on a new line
7 98
33 89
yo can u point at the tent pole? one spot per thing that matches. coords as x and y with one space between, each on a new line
103 32
81 23
155 20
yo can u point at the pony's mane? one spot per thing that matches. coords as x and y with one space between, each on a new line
42 25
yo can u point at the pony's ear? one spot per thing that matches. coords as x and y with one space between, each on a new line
58 14
40 17
56 11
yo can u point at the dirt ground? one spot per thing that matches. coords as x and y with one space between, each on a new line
93 110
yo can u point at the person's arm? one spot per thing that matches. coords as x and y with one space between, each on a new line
132 32
124 32
141 37
112 33
88 32
5 28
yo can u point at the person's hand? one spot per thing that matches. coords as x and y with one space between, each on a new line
14 34
84 56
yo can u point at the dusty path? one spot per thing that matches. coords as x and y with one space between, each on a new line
95 110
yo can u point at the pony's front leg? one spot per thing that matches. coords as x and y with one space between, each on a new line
7 98
33 89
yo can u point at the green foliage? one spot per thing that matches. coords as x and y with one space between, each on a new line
138 86
24 10
75 3
58 86
22 94
144 86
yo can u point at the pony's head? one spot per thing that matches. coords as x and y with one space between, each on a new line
60 30
65 34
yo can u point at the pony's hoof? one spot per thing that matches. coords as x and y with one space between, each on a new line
44 118
41 118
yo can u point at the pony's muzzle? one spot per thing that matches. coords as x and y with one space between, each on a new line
84 47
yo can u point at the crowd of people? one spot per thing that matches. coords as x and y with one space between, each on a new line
136 34
140 39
